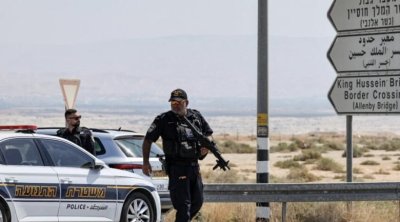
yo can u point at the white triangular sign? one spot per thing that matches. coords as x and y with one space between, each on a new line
69 88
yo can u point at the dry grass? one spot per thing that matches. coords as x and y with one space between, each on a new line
327 164
300 175
305 158
286 164
300 212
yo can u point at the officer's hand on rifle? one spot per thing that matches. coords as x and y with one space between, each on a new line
146 169
203 151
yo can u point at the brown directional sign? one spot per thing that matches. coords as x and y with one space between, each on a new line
375 94
351 15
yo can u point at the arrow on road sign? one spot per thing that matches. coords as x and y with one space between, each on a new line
366 94
366 53
350 15
69 88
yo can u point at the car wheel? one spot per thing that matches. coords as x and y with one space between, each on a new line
3 214
138 208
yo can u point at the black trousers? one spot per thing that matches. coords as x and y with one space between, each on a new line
186 190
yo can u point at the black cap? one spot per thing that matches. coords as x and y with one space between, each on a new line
178 94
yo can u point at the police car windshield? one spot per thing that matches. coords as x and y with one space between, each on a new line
132 147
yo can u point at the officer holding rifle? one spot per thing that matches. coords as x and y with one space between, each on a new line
182 151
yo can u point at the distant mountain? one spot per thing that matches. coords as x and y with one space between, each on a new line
219 73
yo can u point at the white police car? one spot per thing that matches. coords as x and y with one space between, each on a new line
122 149
46 178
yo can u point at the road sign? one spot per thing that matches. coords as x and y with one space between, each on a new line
366 94
366 52
69 88
350 15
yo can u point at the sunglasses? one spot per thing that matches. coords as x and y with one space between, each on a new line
75 117
176 102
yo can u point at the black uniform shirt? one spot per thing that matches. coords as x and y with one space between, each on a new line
80 136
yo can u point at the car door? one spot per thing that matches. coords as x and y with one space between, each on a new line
87 194
33 187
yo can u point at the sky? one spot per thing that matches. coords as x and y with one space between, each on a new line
38 40
74 21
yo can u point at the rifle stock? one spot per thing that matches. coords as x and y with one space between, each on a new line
210 145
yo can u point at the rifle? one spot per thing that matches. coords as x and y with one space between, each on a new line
210 145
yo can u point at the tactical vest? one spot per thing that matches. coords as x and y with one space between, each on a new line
186 146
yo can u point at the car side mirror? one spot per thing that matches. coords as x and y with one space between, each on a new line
94 164
98 165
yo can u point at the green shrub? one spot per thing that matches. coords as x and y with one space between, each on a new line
371 142
284 147
369 162
285 164
300 143
301 175
330 145
391 145
382 172
307 155
357 152
293 147
230 146
281 147
328 164
396 167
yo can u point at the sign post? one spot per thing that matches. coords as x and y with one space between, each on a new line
69 89
366 57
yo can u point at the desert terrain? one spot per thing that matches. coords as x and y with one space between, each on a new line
374 165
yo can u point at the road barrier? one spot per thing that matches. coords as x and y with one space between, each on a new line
310 192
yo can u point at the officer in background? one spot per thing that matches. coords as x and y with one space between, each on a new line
81 136
182 152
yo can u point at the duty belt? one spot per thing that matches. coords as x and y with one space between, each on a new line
183 163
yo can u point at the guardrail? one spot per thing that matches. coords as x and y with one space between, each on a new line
310 192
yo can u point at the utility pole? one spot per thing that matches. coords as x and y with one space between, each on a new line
262 208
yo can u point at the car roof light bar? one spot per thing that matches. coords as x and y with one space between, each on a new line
18 127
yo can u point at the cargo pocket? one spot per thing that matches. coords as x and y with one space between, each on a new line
178 186
177 177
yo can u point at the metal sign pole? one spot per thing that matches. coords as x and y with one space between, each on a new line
349 140
349 156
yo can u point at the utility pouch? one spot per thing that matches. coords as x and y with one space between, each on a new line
187 143
188 150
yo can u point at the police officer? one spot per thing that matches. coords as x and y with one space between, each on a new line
81 136
182 152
